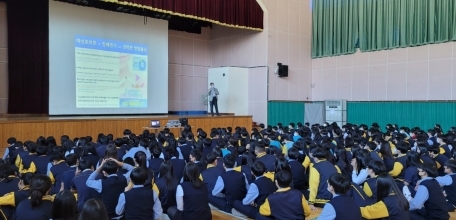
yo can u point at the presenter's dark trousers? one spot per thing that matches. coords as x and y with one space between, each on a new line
213 103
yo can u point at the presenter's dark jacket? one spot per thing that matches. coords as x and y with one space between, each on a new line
286 203
24 210
385 209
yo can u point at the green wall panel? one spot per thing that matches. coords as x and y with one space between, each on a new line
285 112
410 114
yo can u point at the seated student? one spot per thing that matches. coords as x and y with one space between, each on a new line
149 206
8 178
68 175
155 161
41 164
261 188
167 185
439 159
230 186
341 206
192 202
297 170
88 152
359 163
111 187
211 174
221 144
423 205
9 201
319 175
39 205
342 162
178 164
371 147
391 203
195 157
285 203
244 166
101 149
387 155
93 209
121 148
64 206
207 148
27 159
79 186
142 145
57 170
370 186
400 164
411 177
448 182
267 159
233 145
443 147
218 152
185 148
422 150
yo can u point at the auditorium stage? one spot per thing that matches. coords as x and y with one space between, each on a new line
30 127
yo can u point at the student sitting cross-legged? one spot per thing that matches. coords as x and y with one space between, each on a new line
230 186
448 182
391 203
139 202
341 206
261 188
285 203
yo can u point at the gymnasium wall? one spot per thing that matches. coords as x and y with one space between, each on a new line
3 59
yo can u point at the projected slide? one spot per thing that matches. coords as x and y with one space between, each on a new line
110 74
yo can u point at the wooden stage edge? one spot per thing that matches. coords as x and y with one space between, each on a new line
30 127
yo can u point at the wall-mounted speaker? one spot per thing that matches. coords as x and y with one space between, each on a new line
282 70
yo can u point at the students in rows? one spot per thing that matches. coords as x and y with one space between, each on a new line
423 205
411 176
267 159
211 174
400 164
39 205
155 161
448 182
297 170
390 204
440 159
139 202
340 206
258 191
72 161
230 186
195 157
191 197
359 163
79 186
285 203
57 170
8 178
370 186
41 164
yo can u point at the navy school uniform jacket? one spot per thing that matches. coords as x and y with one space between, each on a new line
68 176
287 204
220 163
84 192
136 210
24 210
185 150
346 208
196 203
359 196
8 185
92 158
435 205
56 175
318 189
298 173
268 160
13 152
440 160
234 186
41 164
399 167
112 187
10 201
427 159
210 176
450 190
121 151
178 167
445 150
27 160
154 164
370 188
385 209
101 151
265 188
201 166
167 193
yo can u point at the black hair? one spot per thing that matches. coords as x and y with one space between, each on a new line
282 164
217 151
451 164
377 166
156 152
141 159
258 168
339 183
192 174
71 159
211 158
402 147
64 206
196 154
430 169
229 161
129 161
39 187
41 150
118 142
385 150
84 165
56 156
93 209
387 186
110 167
139 175
166 171
413 159
27 178
293 153
283 178
6 170
11 140
246 159
319 153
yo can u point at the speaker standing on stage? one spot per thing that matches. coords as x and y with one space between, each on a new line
213 93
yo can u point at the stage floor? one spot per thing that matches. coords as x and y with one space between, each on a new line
30 127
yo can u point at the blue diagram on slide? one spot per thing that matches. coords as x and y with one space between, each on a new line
110 74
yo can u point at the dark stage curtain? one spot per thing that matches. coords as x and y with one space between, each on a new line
246 14
28 56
